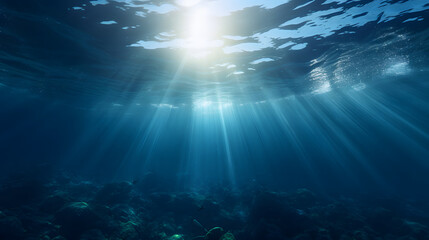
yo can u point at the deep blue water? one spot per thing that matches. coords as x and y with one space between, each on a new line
326 95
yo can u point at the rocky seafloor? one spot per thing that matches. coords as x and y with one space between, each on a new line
71 208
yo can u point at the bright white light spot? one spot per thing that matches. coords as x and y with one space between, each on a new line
299 46
359 86
401 68
108 22
261 60
160 9
99 2
285 45
141 14
303 5
205 104
319 74
202 103
164 105
187 3
413 19
235 38
323 88
200 29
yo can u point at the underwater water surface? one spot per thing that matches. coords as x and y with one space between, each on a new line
282 119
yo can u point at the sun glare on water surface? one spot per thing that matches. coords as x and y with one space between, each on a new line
200 30
187 3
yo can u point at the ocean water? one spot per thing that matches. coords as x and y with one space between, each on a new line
281 119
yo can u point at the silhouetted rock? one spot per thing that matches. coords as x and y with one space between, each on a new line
214 234
76 218
114 193
303 198
59 238
81 191
274 209
11 228
129 230
415 230
93 234
227 236
53 203
18 192
175 237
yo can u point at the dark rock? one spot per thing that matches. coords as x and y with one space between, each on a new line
272 208
82 191
360 235
53 203
114 193
266 205
151 182
18 192
59 238
129 230
175 237
227 236
265 230
303 198
304 236
187 202
384 221
76 218
207 209
415 229
323 234
160 198
94 234
11 228
214 234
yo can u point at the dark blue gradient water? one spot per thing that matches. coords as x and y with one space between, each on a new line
331 96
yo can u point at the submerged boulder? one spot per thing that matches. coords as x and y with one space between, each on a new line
214 234
114 193
129 230
217 233
59 238
11 228
53 203
274 210
176 237
414 229
227 236
93 234
21 191
303 198
76 218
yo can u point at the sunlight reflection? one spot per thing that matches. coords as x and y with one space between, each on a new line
205 104
201 32
187 3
